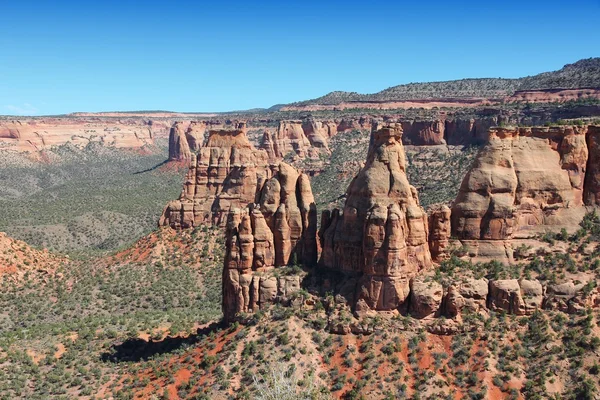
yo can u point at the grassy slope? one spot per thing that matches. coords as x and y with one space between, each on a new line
56 332
95 199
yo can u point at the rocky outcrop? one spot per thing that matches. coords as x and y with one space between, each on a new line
466 294
571 296
319 132
227 173
439 232
288 139
185 139
592 174
278 230
424 132
516 297
425 298
306 138
179 149
523 179
381 235
30 134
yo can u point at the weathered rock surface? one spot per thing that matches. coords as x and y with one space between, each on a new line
279 230
592 174
425 298
382 233
185 139
523 180
516 297
466 294
179 148
227 173
439 232
37 134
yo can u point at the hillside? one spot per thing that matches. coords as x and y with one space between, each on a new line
582 74
90 199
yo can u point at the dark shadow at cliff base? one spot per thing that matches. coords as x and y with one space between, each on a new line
323 281
141 350
157 166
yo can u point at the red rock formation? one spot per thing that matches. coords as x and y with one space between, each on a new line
227 173
290 138
439 232
522 179
592 177
382 233
179 149
185 139
467 293
36 134
279 230
319 132
424 132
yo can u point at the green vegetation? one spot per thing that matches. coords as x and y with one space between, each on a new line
437 174
93 199
347 152
87 308
584 73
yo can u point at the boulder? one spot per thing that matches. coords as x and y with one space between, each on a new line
425 298
467 294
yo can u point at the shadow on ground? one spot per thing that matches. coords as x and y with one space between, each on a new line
139 349
157 166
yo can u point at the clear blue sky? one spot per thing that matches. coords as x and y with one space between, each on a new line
65 56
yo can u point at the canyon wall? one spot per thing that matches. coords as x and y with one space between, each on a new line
36 134
378 253
524 181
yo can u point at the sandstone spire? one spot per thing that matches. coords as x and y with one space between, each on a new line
382 233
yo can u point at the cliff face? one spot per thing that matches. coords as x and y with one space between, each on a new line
523 179
302 138
228 172
185 139
381 235
279 229
36 134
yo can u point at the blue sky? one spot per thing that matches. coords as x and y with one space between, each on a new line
66 56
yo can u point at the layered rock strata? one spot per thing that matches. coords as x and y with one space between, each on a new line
523 180
301 138
276 231
227 173
381 235
38 134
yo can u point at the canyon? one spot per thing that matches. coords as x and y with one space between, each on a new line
383 246
438 240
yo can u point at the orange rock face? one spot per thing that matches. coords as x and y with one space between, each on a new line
303 139
523 178
424 132
35 134
227 173
280 229
185 139
382 233
439 232
592 177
